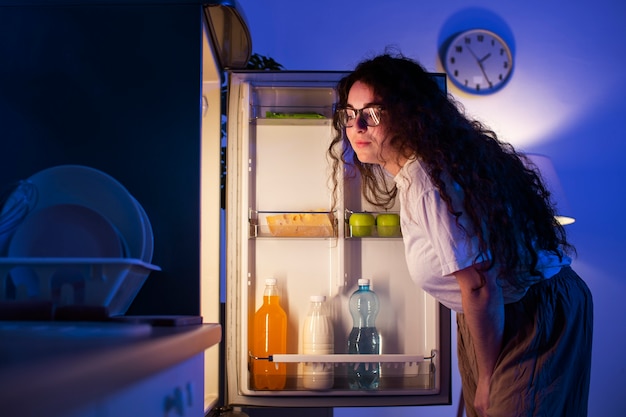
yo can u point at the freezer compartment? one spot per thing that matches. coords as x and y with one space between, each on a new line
292 102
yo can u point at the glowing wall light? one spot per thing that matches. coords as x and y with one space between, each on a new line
548 173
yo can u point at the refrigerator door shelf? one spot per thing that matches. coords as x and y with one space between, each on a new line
345 358
293 224
403 374
384 224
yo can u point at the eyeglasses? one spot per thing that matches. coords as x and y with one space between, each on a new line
370 115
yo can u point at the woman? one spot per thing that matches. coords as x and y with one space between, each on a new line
479 234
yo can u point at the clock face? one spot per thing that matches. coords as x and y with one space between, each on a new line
478 61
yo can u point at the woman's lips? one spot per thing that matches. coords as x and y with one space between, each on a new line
361 143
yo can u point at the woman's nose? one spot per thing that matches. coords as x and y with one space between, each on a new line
360 124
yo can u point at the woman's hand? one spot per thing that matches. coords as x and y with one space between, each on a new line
481 400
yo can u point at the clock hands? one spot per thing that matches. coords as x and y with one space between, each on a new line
480 64
485 57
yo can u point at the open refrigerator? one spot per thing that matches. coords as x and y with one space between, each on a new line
279 126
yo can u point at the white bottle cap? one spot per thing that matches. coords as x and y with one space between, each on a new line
364 281
317 298
270 281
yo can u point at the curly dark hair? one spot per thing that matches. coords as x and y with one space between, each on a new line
505 200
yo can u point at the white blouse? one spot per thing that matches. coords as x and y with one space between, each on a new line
436 247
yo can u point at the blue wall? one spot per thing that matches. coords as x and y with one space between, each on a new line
566 100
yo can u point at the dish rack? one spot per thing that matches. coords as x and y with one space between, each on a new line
112 283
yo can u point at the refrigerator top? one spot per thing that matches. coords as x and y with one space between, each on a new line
230 36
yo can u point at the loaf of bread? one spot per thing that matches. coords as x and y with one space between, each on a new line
301 225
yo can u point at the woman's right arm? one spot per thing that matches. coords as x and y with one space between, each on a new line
483 308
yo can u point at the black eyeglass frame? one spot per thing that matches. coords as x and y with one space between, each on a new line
359 113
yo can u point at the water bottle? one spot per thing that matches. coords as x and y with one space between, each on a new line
317 339
364 338
269 338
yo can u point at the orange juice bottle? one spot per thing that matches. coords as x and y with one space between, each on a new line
269 337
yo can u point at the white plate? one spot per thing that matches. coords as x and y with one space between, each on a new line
89 187
65 231
17 206
148 236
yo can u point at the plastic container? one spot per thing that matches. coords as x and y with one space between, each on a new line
364 337
269 337
317 339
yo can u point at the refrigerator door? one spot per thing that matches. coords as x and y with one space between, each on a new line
225 44
279 129
209 219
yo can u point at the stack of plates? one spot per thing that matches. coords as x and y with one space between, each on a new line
79 213
75 185
16 202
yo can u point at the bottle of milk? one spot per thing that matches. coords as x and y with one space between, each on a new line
317 339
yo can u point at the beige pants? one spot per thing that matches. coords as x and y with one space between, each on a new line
544 366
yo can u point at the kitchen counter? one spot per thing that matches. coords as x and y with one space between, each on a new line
53 368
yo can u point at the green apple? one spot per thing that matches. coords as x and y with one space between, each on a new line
361 224
388 224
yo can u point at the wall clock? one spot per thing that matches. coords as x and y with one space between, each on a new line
478 61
